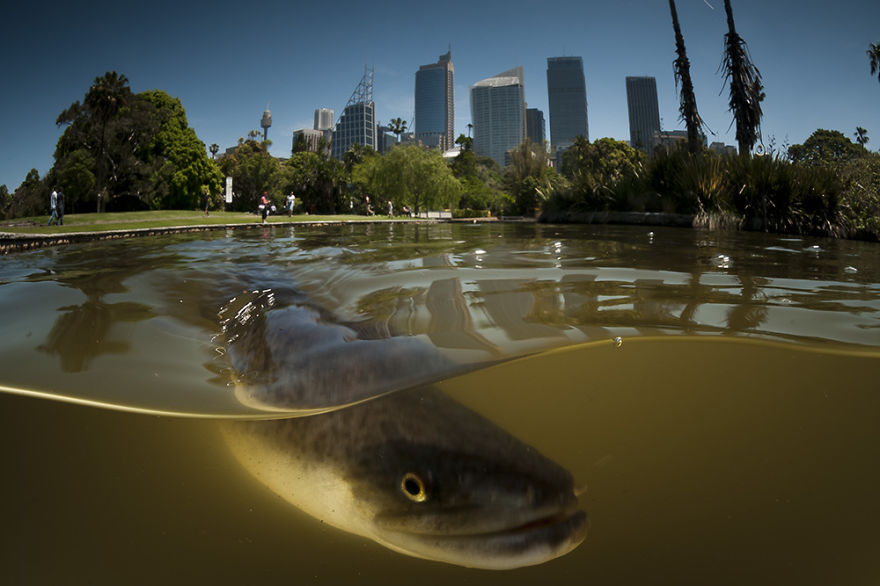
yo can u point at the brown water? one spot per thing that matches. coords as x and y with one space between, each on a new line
729 436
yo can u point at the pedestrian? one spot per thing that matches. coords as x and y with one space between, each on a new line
390 208
206 199
53 207
291 201
59 207
264 206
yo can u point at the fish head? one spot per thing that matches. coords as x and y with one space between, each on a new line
469 508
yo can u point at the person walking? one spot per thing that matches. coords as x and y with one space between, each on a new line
59 207
264 206
206 200
53 207
291 201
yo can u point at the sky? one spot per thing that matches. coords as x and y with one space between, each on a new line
228 61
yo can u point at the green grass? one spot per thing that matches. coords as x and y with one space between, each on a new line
158 219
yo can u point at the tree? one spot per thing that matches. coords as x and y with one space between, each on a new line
682 67
317 179
397 126
861 136
253 171
746 90
31 198
409 176
826 147
874 58
528 177
466 142
183 167
596 170
214 148
5 200
106 98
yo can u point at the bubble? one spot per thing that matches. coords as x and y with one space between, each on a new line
618 341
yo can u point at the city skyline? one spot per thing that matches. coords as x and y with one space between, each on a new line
226 61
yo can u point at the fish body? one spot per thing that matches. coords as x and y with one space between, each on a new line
421 474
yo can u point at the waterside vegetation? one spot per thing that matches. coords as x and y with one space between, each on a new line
123 152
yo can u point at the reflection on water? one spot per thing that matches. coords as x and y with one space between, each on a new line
710 454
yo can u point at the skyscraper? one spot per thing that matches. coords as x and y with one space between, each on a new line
644 112
498 111
567 95
535 126
323 119
357 125
435 103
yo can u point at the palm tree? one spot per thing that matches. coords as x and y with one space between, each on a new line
682 68
874 57
397 126
861 136
214 148
106 96
746 90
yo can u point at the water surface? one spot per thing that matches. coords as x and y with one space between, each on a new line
716 394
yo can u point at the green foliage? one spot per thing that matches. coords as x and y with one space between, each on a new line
179 157
253 171
318 180
31 198
859 207
826 147
5 200
127 146
409 176
600 174
529 178
481 182
874 58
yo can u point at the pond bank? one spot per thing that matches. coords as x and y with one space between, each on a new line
13 242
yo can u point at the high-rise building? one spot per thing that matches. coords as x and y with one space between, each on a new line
323 119
644 112
498 113
567 96
535 127
435 103
357 125
309 138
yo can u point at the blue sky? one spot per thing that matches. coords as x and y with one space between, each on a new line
227 61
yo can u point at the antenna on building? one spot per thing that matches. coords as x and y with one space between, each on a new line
363 93
266 122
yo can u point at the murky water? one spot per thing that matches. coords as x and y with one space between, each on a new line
715 395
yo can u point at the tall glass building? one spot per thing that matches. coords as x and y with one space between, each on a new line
435 103
498 111
535 126
644 112
357 125
567 94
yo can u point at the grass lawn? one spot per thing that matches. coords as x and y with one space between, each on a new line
158 219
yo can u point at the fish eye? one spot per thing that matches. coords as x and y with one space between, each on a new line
413 487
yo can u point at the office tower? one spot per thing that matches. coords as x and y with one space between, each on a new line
535 126
310 137
385 139
498 111
323 119
435 103
644 112
567 96
357 125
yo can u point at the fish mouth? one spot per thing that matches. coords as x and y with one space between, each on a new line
532 542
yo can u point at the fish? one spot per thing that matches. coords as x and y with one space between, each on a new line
419 473
363 440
